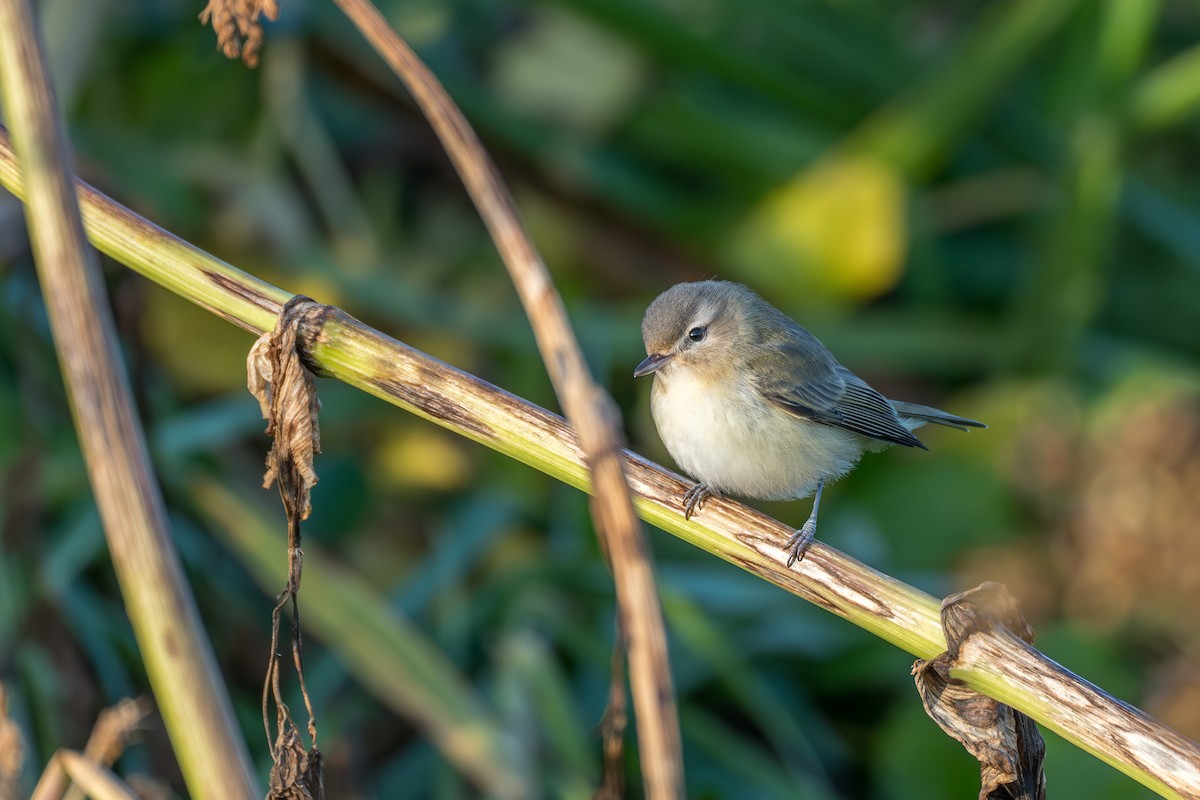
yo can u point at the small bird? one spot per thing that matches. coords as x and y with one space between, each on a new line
750 403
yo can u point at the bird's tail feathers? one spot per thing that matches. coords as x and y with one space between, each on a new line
922 414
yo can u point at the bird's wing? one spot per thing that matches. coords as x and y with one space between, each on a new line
798 374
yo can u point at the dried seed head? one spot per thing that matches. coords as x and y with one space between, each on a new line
237 25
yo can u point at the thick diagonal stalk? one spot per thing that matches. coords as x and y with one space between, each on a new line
179 660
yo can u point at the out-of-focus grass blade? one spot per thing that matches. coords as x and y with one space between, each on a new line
97 781
914 131
608 173
332 190
76 544
533 694
1172 225
475 523
206 427
1168 94
104 633
1125 33
1065 293
384 651
666 39
745 144
697 632
725 763
41 689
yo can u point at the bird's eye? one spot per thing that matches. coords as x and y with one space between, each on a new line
697 334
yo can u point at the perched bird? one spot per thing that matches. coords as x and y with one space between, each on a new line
750 403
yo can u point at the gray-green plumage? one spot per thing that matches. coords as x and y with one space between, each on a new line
749 402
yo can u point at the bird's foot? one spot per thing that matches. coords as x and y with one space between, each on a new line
803 538
693 501
800 542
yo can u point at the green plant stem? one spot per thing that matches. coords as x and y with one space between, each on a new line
346 349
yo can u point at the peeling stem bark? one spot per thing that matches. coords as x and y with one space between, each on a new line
1116 732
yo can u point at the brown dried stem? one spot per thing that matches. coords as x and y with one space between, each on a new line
179 662
612 730
96 780
107 741
111 733
589 409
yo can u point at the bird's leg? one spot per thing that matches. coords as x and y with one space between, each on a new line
693 501
802 538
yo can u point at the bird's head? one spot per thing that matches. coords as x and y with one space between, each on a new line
698 326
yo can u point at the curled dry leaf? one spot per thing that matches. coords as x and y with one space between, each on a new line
237 25
296 774
1006 743
287 396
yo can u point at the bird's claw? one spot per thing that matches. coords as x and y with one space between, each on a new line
800 542
693 501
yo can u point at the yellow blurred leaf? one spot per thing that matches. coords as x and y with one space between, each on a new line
836 230
424 458
201 353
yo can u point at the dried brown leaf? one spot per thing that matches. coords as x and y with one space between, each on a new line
112 731
1006 743
237 25
296 774
287 396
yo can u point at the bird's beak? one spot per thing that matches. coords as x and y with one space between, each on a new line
651 364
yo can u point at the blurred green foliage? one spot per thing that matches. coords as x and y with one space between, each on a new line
987 206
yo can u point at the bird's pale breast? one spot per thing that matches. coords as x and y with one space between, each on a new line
724 434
